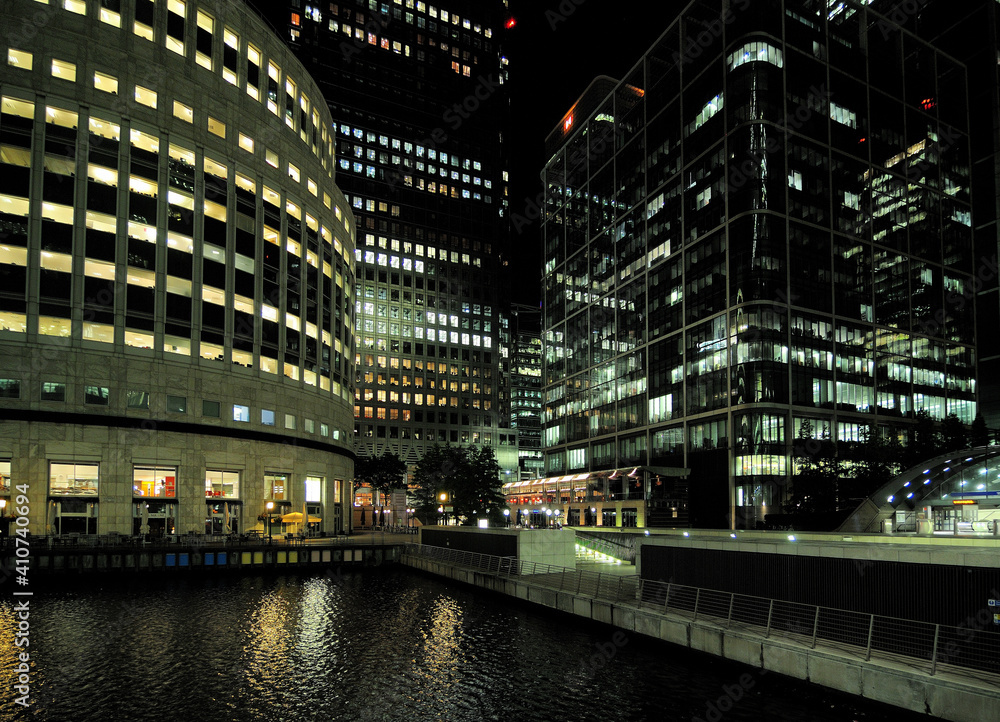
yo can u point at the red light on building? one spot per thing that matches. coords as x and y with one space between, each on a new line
568 123
296 20
928 103
511 22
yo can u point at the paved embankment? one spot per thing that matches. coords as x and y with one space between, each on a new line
951 693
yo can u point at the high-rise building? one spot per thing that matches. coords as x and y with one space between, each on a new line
521 388
418 101
176 274
971 33
761 229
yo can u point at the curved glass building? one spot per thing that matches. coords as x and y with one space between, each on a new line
176 273
954 493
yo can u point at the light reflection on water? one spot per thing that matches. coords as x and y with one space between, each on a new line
373 645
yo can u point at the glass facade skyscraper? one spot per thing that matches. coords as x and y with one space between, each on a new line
418 100
766 223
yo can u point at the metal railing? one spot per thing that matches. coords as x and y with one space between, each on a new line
921 645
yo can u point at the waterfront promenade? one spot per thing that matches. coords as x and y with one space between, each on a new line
946 672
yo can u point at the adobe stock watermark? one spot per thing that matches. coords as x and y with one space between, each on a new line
452 119
899 16
817 99
562 13
732 693
533 207
604 653
986 272
376 23
698 44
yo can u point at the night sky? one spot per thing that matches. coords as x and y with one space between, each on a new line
555 49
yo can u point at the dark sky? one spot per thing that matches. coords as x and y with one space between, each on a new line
555 49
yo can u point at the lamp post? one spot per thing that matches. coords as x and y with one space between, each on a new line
4 526
506 518
270 507
409 517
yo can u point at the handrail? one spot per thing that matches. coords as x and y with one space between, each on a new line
922 645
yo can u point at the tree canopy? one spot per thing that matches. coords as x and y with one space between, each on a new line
470 477
382 473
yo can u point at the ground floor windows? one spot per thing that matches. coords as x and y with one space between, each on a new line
154 481
74 516
225 484
73 479
223 518
276 486
155 519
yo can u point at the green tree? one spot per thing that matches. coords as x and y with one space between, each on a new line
435 472
979 435
382 473
877 461
818 471
470 477
924 439
953 433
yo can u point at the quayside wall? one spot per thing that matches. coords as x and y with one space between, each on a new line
886 665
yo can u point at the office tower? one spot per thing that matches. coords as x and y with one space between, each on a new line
759 226
176 273
521 390
970 33
417 95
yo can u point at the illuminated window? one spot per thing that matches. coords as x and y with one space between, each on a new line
111 15
154 481
64 70
183 112
224 484
276 486
145 96
106 83
10 389
246 143
241 413
19 59
75 479
230 55
253 72
205 32
76 6
175 25
216 127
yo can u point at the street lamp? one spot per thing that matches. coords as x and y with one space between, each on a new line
270 507
409 517
506 517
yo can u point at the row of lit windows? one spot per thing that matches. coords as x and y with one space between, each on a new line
314 13
83 479
419 332
145 96
408 399
315 135
139 400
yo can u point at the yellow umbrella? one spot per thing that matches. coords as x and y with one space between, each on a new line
295 517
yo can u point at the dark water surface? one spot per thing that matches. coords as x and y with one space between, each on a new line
369 645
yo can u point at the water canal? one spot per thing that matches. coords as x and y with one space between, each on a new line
369 645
